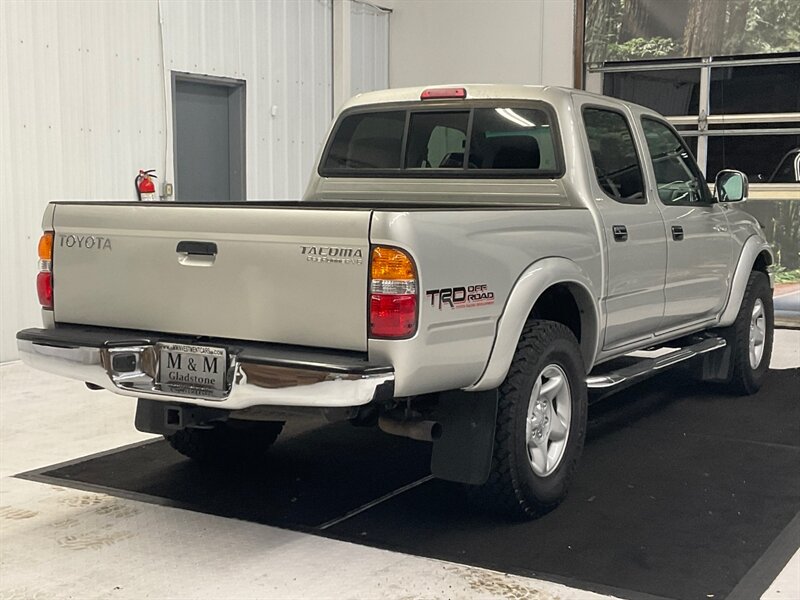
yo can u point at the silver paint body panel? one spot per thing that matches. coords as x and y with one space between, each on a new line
462 248
259 286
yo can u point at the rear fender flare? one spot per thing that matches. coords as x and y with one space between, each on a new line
752 248
533 282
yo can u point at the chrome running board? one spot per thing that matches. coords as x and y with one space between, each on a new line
645 366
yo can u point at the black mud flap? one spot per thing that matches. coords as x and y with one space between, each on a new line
717 367
165 418
463 453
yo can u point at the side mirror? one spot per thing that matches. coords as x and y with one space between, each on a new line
731 186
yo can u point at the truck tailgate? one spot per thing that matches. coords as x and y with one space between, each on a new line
284 275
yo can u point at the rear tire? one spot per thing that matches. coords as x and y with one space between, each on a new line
232 442
750 336
541 424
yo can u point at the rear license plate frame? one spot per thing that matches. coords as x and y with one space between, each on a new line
197 366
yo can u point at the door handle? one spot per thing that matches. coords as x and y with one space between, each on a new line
677 233
197 248
620 233
196 254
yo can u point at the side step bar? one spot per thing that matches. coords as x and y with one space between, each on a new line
615 380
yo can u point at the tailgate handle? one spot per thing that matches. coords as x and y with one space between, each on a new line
197 248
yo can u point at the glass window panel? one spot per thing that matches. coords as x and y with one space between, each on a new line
787 171
616 163
757 89
756 155
436 140
691 143
368 141
674 92
755 125
512 138
678 179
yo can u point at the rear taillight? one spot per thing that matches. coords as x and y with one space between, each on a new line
44 287
44 280
393 294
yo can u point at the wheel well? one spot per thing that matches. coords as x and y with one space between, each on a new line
571 305
763 260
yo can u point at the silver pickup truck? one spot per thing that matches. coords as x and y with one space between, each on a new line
468 266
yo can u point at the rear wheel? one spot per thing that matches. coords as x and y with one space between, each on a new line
227 443
541 424
750 336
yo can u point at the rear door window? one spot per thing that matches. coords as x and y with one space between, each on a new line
614 157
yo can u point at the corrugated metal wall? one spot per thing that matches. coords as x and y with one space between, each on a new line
84 105
282 48
369 48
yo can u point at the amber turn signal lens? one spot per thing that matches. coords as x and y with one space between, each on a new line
46 246
391 263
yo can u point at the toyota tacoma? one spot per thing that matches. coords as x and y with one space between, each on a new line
468 266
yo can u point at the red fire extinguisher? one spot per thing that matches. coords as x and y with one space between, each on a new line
145 186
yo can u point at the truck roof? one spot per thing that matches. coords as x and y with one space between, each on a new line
483 91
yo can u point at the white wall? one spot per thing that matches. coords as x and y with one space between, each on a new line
480 41
369 48
83 106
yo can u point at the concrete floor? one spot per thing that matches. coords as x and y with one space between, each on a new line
57 542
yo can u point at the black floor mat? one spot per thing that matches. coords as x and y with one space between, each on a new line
313 475
681 490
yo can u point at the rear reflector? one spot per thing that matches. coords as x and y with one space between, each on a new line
441 93
44 288
393 294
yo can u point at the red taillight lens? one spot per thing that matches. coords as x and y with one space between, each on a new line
392 316
393 294
44 287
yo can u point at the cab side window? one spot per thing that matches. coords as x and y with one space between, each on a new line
616 163
678 178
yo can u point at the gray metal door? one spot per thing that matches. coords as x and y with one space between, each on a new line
209 139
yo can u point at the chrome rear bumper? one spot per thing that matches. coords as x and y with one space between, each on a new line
257 374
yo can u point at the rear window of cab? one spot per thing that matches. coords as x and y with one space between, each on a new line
449 141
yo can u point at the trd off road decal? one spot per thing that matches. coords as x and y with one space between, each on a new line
461 297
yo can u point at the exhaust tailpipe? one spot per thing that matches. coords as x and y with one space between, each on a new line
423 431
